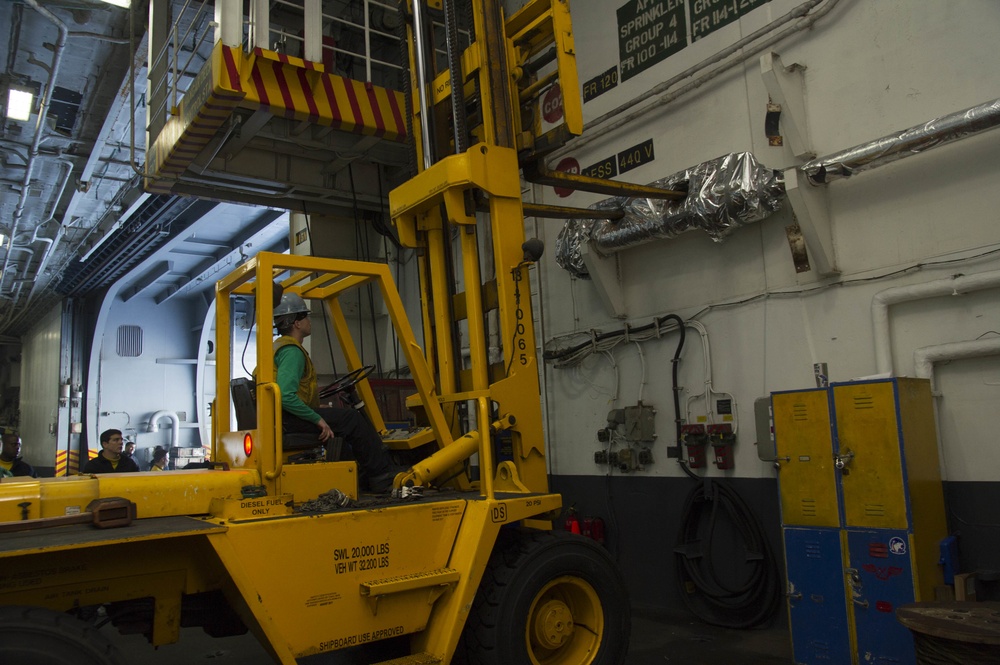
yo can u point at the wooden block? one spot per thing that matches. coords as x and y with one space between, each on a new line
965 586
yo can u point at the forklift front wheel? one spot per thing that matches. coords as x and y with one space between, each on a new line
41 636
548 598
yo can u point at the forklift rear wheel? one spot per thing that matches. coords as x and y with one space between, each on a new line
548 598
39 636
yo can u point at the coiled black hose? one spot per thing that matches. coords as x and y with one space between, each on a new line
746 603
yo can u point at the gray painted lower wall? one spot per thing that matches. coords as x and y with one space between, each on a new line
643 516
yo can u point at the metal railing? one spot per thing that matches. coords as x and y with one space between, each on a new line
173 67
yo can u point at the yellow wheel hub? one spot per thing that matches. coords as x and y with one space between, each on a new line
565 623
553 624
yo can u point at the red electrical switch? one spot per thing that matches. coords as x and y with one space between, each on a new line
694 437
722 439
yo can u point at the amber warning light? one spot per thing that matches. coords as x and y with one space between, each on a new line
247 444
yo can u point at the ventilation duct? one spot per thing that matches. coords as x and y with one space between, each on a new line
723 194
735 190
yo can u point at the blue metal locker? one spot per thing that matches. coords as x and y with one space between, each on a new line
880 576
817 604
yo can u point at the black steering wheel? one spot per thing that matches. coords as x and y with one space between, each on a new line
347 382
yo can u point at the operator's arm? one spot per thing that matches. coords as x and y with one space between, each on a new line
289 363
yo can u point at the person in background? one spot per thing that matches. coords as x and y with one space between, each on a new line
160 459
129 449
10 457
110 459
301 412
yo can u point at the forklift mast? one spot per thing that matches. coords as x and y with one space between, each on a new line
474 111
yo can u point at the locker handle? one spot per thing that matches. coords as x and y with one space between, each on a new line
794 596
841 461
862 603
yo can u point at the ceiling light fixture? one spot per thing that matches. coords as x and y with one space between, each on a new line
118 3
19 103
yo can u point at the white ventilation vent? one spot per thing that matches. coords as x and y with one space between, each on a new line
129 343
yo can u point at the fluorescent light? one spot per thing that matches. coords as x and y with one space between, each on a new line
118 3
19 104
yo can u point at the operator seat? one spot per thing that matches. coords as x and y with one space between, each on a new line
245 404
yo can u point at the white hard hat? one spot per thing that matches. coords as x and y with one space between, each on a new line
291 303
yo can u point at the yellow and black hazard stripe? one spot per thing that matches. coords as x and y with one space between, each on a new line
298 89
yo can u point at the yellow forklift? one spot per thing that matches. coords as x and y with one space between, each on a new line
274 537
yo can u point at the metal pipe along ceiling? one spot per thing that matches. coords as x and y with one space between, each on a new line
39 126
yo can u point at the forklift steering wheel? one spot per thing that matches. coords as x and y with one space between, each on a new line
347 382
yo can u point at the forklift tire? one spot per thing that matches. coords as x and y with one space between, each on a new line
547 598
39 636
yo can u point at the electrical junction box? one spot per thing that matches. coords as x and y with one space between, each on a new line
695 438
639 422
722 439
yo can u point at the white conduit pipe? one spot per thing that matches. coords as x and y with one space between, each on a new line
175 425
882 300
923 361
924 358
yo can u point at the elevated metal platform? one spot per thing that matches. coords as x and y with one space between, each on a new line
260 126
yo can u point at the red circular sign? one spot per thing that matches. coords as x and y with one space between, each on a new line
552 106
567 165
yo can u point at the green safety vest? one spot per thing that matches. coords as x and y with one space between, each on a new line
308 391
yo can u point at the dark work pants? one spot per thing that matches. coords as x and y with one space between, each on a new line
366 445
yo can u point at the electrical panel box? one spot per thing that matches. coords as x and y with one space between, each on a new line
640 422
858 466
695 438
723 439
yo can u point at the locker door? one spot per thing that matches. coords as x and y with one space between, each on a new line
868 441
817 605
803 438
880 577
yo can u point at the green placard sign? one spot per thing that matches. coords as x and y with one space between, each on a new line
707 16
648 32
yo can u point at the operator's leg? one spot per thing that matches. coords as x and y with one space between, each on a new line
365 443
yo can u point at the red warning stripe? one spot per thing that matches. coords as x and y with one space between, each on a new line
258 83
310 98
338 116
352 98
234 74
376 110
397 114
286 93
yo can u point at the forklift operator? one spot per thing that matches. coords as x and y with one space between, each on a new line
301 412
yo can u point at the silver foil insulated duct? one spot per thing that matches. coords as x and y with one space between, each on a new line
723 194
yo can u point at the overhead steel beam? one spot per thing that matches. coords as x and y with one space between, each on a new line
196 274
158 271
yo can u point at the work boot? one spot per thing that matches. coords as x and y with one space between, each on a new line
382 483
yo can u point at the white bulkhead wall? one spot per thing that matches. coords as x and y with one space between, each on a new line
39 389
126 391
871 67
